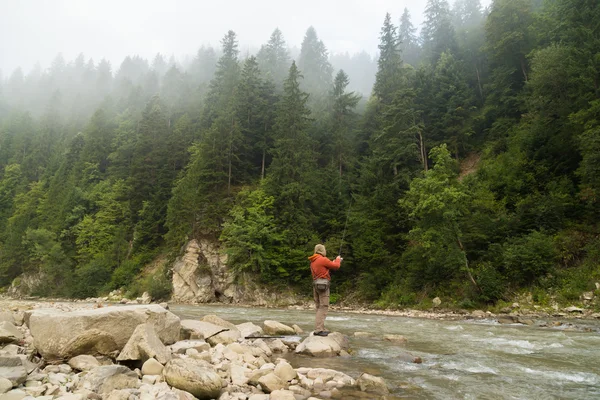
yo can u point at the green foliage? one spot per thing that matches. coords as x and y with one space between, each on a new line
528 257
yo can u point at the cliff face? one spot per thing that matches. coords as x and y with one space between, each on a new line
201 275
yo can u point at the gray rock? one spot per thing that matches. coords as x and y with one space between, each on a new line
277 328
225 337
271 382
478 314
16 394
574 309
507 319
258 396
329 374
5 385
105 379
183 345
193 376
395 338
152 367
60 335
282 395
84 362
192 329
248 329
285 371
297 329
144 344
323 346
9 332
256 375
12 368
372 384
239 374
436 302
213 319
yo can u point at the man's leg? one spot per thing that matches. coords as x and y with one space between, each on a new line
322 308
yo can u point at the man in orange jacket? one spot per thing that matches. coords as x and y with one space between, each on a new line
320 266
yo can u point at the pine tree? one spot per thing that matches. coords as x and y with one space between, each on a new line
274 59
314 65
389 72
438 34
408 40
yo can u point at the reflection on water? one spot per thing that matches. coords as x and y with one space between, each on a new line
461 360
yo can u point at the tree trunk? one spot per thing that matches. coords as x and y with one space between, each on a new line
523 69
262 168
469 274
479 83
423 152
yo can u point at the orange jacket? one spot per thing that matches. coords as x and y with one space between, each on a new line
320 266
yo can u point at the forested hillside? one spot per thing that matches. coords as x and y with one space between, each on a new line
470 169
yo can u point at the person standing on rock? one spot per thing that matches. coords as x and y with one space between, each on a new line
320 266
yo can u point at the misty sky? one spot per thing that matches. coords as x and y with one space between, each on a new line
37 30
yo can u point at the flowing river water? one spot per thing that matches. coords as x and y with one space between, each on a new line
461 359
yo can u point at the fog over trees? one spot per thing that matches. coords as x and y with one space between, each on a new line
461 159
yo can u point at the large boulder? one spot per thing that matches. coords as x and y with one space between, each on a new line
323 346
192 329
12 368
61 335
225 337
152 367
145 344
277 328
106 378
193 376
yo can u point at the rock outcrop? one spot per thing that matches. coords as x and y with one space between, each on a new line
201 275
62 335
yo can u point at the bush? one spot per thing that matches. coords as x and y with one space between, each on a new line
528 258
491 284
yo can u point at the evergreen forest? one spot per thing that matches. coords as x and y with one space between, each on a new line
460 162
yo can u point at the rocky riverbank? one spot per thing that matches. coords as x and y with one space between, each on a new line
75 351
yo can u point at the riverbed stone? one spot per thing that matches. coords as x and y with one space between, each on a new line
5 385
16 394
182 346
192 329
255 376
152 367
9 332
248 329
12 368
277 328
84 362
213 319
323 346
271 382
106 378
395 338
225 337
285 371
239 374
372 384
282 395
59 335
193 376
144 344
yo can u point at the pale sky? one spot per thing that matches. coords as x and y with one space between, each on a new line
37 30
